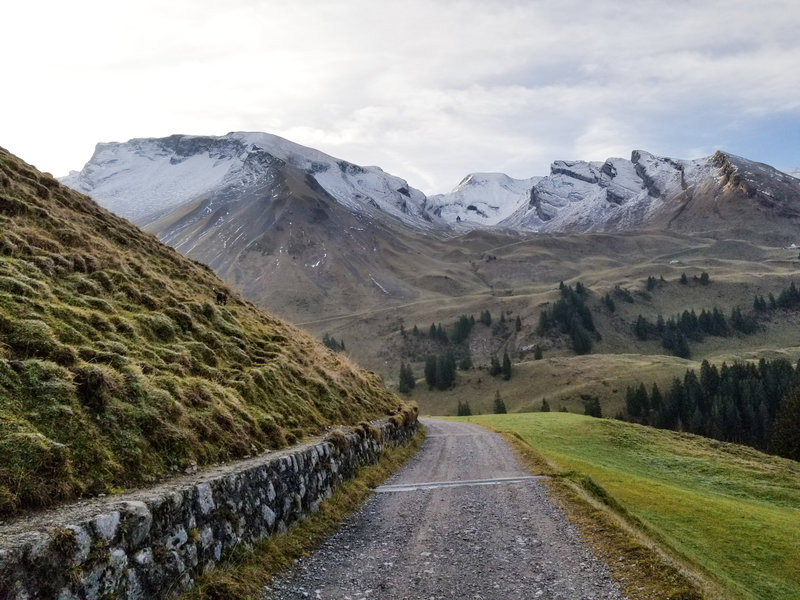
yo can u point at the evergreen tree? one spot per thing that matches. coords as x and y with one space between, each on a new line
407 380
506 366
651 283
330 341
537 352
461 330
430 371
609 302
518 324
486 317
465 363
684 279
545 323
581 342
786 428
656 401
704 280
545 406
641 328
463 409
592 407
499 405
494 366
445 371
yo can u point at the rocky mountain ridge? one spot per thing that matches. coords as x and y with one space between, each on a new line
148 179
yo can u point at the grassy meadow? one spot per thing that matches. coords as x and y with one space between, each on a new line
729 511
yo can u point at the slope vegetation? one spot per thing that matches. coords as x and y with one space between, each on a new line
117 366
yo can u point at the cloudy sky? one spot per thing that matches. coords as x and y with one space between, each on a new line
429 90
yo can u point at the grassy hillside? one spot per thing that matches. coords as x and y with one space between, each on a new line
564 381
521 278
117 366
729 510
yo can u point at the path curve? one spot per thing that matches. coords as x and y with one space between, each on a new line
502 540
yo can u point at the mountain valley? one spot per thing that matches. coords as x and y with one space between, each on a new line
360 255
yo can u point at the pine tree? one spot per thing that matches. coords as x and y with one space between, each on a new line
545 406
581 342
518 324
407 380
537 352
609 302
506 366
641 328
430 371
592 407
786 427
499 405
463 409
684 279
494 366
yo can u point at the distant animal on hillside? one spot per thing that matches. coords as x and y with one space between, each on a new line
222 297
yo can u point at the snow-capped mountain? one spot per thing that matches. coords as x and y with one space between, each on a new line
145 178
616 194
483 199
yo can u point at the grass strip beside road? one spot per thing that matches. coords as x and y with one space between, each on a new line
245 573
728 512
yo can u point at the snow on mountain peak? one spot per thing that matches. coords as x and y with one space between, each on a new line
482 199
144 177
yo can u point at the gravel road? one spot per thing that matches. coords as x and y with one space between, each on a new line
503 540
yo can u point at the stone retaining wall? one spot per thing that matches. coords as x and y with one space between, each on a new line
156 547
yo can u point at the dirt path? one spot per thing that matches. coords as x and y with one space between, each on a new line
475 540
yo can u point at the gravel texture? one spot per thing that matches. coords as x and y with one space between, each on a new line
475 541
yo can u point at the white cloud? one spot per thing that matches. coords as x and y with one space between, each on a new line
427 89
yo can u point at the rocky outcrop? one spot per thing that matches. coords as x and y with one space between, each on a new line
155 547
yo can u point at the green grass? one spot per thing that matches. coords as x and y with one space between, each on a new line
117 366
728 510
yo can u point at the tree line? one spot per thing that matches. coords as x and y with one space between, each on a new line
676 332
570 315
746 403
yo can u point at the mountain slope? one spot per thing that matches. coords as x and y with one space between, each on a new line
117 366
143 178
